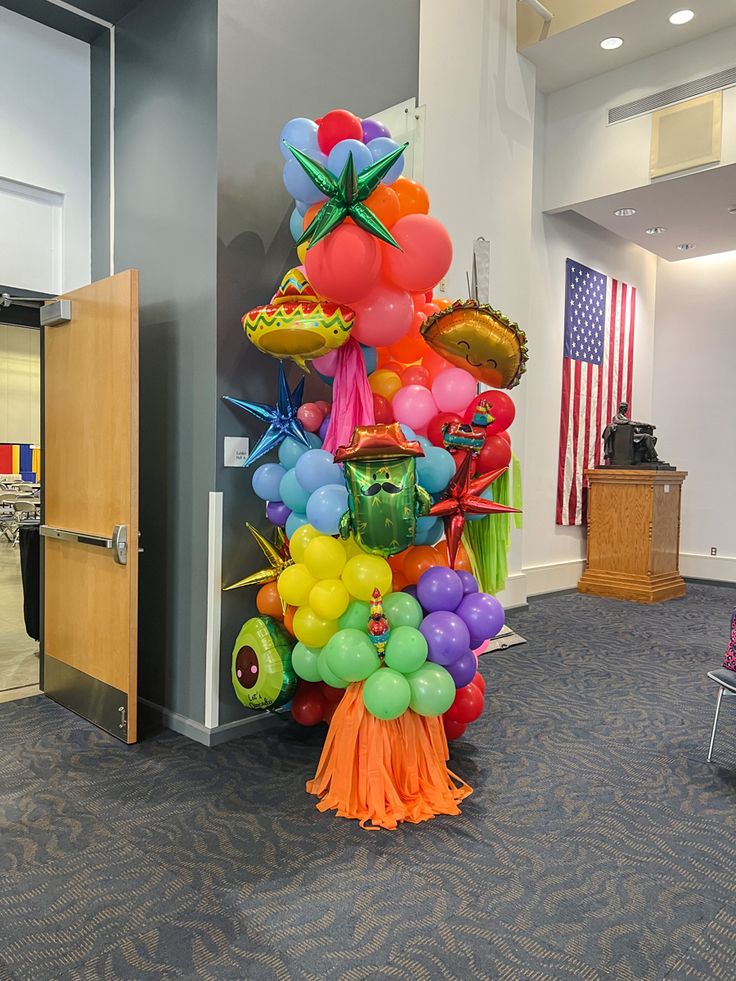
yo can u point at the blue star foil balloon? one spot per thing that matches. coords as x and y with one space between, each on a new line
281 418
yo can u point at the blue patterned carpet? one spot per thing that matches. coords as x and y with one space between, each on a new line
598 843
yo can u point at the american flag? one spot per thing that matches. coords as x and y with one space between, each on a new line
597 370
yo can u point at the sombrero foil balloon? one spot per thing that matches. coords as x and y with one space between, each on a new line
479 339
297 324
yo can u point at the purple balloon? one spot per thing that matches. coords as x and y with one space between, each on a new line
447 637
277 513
323 428
439 588
470 583
411 590
463 670
483 615
373 129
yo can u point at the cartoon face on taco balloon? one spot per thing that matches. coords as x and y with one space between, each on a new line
384 499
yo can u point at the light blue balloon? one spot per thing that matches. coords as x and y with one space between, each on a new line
293 522
381 146
362 157
292 493
426 444
266 481
429 531
299 184
301 133
408 432
370 356
315 468
291 449
435 469
325 508
487 495
302 207
295 224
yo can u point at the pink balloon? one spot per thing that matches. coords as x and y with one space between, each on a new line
326 364
414 406
383 317
453 388
425 257
311 416
344 266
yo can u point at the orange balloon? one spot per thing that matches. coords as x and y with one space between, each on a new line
413 198
384 204
409 349
418 559
289 619
462 560
268 601
442 304
396 561
434 364
384 382
310 213
399 581
383 356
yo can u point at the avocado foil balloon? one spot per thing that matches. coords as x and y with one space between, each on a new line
261 670
384 499
479 339
297 324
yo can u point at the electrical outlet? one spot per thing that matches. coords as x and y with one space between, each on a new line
442 286
714 551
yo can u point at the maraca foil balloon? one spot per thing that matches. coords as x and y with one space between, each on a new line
296 323
479 339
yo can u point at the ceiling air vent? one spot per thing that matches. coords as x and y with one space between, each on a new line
679 93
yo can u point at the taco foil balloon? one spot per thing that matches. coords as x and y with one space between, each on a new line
297 324
384 499
479 339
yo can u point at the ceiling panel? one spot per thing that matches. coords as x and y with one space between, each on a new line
61 19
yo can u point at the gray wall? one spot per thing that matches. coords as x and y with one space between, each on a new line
100 154
165 215
277 61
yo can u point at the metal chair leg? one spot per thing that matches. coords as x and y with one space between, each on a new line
715 725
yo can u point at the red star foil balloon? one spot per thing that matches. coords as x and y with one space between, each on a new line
463 497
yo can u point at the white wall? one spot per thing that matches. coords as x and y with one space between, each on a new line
20 385
44 157
695 404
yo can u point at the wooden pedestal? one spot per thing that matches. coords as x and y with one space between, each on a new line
634 535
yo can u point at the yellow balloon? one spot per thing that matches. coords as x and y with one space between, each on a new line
325 557
295 584
329 599
311 630
385 383
364 573
301 251
352 548
299 541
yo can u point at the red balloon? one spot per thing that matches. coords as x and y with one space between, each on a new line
453 730
330 694
337 125
344 266
311 416
434 429
382 317
505 435
467 706
425 254
415 374
495 453
480 682
382 410
502 408
308 706
325 406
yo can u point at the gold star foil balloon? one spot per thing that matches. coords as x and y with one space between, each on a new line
278 559
479 339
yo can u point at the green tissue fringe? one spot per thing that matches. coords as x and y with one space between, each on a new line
487 541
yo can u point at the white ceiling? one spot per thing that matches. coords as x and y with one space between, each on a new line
693 208
575 55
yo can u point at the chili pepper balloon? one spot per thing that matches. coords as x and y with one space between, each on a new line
384 499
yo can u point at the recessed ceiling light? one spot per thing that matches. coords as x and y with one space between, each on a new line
685 246
655 230
611 43
625 212
681 17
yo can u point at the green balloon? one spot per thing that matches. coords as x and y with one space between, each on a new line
351 655
386 694
356 616
402 610
406 650
304 662
432 690
326 675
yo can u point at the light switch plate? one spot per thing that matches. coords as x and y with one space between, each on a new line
237 449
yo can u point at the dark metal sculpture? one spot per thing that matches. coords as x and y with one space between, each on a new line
628 444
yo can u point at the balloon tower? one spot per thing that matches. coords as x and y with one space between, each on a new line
386 500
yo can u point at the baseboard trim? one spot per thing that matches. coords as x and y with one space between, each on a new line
708 568
553 577
200 733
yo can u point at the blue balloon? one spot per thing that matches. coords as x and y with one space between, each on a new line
370 356
315 468
292 493
294 521
266 481
426 444
381 146
362 157
302 207
429 531
408 432
301 133
291 449
295 225
435 469
325 508
299 184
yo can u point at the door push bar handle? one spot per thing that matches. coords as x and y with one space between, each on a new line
118 544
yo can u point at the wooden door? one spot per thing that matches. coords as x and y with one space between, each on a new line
90 506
